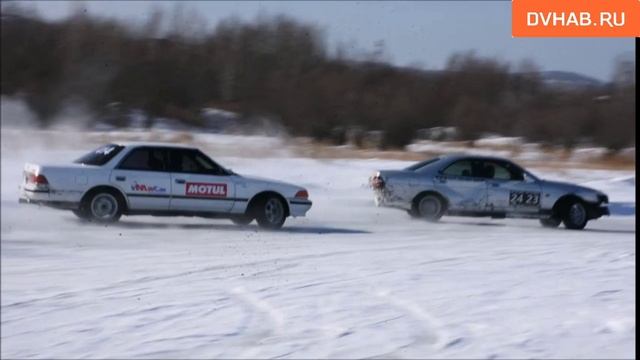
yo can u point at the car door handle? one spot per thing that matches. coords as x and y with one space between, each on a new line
121 178
495 184
180 181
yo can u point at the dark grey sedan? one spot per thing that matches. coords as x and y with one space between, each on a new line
467 185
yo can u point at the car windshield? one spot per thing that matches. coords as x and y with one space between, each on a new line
100 156
420 165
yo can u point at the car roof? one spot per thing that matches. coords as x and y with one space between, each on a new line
471 156
133 144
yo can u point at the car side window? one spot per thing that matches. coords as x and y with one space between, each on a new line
189 165
209 166
193 162
515 171
145 159
492 170
501 171
460 168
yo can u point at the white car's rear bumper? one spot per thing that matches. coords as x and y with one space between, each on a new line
37 197
299 207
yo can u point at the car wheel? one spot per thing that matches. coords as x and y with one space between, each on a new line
104 206
575 216
413 213
551 222
81 214
430 207
242 220
270 213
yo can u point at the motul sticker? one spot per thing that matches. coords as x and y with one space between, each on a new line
206 189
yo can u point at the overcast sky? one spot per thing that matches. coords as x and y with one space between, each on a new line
424 33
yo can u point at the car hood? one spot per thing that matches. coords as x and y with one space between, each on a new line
566 186
257 179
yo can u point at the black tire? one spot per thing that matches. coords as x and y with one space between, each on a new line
413 213
429 207
575 215
103 206
270 212
242 220
551 222
81 214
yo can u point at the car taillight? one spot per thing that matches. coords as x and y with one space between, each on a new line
36 179
302 194
40 181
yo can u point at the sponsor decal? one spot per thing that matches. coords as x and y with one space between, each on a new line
524 198
147 188
212 190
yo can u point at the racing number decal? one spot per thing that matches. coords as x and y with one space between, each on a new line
206 190
524 198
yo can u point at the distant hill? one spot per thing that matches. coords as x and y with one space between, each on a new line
556 79
567 79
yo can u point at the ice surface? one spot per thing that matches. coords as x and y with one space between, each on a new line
349 281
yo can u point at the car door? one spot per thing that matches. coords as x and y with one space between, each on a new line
508 189
198 183
461 183
142 175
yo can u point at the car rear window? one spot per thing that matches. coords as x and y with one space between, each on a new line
420 165
101 155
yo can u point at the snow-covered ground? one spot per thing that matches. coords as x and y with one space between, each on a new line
350 280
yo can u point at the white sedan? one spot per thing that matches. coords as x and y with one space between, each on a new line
161 180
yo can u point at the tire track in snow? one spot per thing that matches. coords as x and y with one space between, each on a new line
148 279
266 311
329 331
432 336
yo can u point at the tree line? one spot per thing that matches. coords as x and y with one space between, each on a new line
283 69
